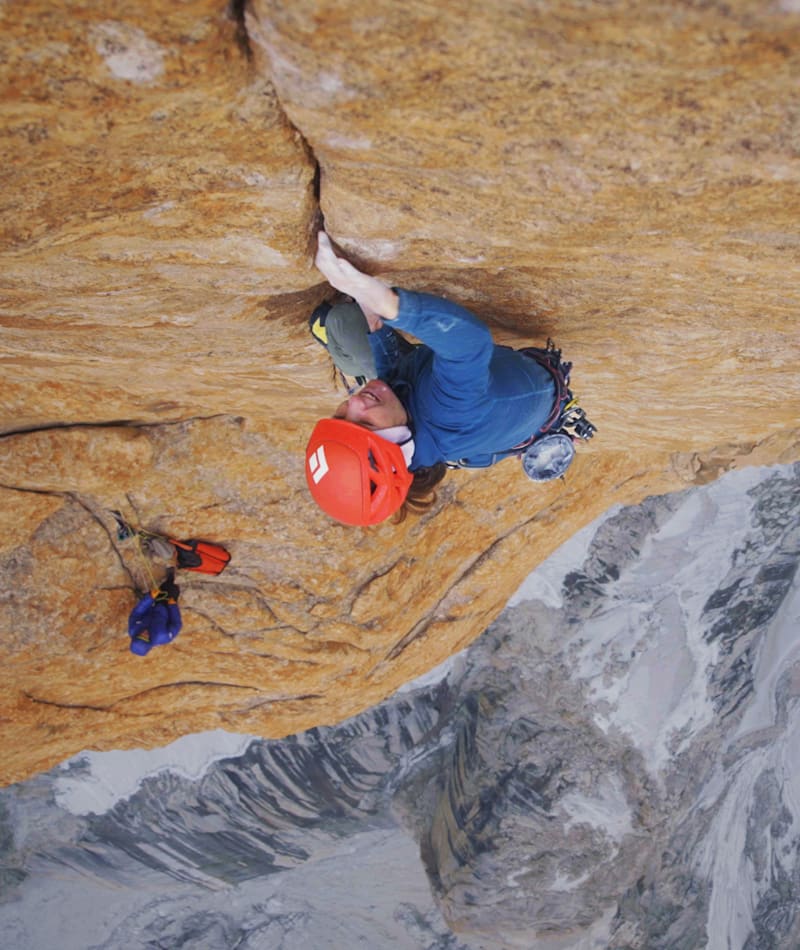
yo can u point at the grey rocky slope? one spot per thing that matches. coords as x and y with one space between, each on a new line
613 764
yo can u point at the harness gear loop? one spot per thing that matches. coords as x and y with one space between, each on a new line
566 413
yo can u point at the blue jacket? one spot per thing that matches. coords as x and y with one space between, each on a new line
468 399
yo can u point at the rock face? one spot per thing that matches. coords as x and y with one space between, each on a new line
614 764
623 180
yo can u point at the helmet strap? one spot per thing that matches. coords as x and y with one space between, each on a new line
400 435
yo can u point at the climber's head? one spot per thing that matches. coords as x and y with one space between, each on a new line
374 406
355 475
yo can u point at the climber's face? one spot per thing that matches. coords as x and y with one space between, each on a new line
374 406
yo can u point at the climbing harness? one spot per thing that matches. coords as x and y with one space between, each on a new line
548 453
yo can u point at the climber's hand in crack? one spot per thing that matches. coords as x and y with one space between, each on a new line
378 301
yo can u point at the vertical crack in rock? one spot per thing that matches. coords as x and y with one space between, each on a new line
95 516
237 11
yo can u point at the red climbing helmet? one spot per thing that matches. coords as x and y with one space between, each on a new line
355 475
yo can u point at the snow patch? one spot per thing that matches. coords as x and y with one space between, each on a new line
93 782
725 855
453 664
546 582
780 651
607 810
644 659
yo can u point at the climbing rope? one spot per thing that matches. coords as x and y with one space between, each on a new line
124 533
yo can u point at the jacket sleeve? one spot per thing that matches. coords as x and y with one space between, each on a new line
462 344
386 350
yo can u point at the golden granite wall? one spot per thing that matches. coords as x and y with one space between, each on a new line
624 178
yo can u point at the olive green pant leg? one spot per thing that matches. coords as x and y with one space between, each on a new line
348 340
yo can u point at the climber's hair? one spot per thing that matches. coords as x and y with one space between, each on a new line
422 495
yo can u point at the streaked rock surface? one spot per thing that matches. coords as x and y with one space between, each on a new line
622 179
614 764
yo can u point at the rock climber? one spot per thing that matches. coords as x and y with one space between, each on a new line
455 400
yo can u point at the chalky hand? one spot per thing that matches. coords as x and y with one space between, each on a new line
378 301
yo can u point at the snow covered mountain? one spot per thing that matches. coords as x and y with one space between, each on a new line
615 763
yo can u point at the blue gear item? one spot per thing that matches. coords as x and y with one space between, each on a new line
156 619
